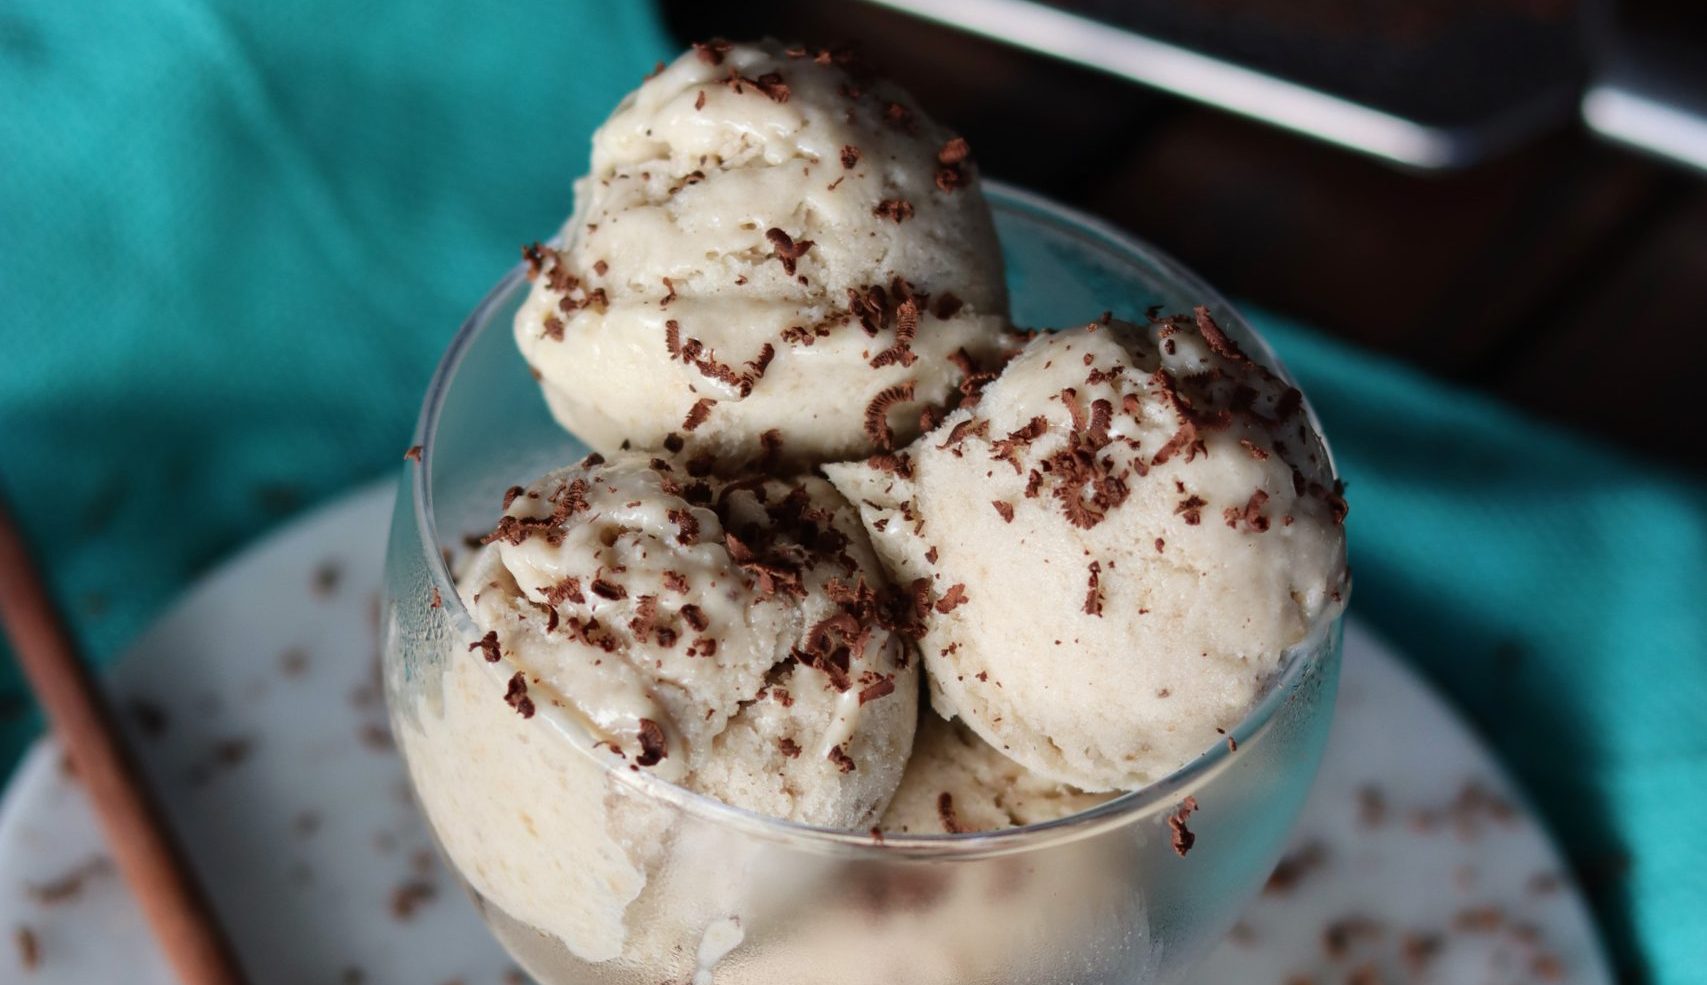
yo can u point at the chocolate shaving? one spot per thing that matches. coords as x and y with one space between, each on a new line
488 647
952 158
1251 514
687 525
413 454
872 692
786 248
567 500
906 327
1093 593
952 599
843 761
1005 509
712 52
608 589
653 748
946 813
567 590
772 85
533 254
516 696
894 209
894 463
877 413
756 367
694 353
1009 448
1070 398
850 155
1191 508
1216 338
968 428
769 84
698 413
788 747
1183 839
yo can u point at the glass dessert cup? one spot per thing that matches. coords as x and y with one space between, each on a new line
589 872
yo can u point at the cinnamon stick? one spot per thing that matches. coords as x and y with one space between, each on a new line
147 856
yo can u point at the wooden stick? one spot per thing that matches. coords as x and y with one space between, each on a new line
151 862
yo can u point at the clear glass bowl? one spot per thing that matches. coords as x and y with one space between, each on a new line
597 876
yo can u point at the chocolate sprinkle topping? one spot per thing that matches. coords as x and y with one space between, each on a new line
653 747
843 761
877 413
516 696
488 647
1005 509
608 590
712 52
946 812
1183 839
850 155
787 248
698 413
952 599
872 692
894 209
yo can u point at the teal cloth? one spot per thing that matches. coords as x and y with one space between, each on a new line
237 235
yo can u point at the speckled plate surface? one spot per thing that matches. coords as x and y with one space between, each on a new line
255 705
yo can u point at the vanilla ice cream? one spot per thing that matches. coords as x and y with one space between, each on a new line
722 634
1111 547
956 783
773 258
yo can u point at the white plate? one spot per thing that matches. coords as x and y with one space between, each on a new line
255 705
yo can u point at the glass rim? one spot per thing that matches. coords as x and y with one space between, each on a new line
1298 662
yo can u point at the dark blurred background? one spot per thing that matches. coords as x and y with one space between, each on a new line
1516 250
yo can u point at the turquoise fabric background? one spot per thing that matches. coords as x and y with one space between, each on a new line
234 238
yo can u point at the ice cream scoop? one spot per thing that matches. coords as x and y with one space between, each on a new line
1112 546
775 257
957 783
727 635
